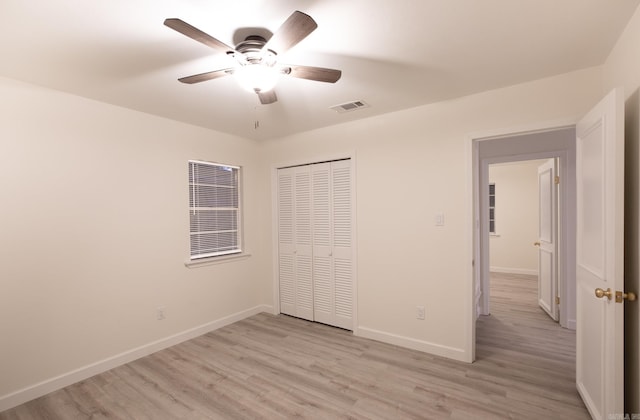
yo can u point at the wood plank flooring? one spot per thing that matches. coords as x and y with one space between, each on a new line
277 367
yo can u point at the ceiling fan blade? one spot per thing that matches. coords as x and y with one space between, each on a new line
293 30
203 77
194 33
313 73
268 97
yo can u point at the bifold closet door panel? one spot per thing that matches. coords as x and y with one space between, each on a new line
323 285
294 242
332 230
342 232
286 259
303 249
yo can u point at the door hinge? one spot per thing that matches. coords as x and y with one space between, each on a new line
556 180
557 300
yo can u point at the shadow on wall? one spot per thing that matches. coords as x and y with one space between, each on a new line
632 251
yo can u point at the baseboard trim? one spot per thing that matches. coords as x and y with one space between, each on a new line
53 384
412 343
511 270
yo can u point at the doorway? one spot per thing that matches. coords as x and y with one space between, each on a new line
523 238
543 144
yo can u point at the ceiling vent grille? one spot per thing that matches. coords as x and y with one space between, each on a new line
350 106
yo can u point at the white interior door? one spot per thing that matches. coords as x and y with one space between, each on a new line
547 238
599 257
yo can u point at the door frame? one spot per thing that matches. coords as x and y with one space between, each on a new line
274 227
551 140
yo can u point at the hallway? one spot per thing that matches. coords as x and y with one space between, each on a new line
531 348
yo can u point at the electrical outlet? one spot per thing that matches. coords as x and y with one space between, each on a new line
161 313
420 312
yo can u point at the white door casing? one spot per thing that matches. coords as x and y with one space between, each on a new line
547 238
599 256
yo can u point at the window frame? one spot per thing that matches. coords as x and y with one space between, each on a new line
492 209
203 257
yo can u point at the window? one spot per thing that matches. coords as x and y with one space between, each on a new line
214 209
492 208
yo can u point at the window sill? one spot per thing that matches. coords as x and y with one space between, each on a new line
201 262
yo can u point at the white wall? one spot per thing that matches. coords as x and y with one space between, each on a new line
512 249
94 234
411 165
622 68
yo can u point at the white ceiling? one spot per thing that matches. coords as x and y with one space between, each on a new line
394 54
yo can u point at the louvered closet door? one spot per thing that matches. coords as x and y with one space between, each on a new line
323 287
304 289
294 242
342 214
332 259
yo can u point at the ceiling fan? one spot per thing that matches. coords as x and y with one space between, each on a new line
257 67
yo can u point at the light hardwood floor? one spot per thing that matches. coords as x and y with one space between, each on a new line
274 367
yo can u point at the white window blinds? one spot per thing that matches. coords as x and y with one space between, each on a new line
214 208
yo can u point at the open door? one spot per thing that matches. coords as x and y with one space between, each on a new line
599 257
548 238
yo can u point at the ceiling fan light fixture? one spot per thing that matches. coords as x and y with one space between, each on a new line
256 77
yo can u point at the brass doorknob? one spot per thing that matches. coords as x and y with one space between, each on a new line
620 296
602 293
536 243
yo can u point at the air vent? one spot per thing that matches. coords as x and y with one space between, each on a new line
349 106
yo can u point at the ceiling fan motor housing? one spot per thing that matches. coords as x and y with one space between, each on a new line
252 51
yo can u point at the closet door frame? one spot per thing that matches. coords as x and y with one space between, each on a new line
274 227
